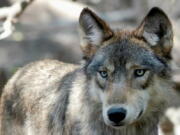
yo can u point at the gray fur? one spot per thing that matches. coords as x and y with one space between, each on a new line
53 98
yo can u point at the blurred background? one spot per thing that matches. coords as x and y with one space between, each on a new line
49 29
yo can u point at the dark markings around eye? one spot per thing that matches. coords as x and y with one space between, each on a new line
100 85
148 82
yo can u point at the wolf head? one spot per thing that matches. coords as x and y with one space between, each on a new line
128 71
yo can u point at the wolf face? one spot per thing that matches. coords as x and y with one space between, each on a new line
127 70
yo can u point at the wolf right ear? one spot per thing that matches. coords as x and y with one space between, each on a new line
156 29
94 31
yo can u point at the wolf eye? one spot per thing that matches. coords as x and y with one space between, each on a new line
103 74
139 72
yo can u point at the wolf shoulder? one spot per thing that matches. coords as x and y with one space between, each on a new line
43 71
31 94
39 78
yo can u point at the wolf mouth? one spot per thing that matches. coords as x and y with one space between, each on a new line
118 125
141 112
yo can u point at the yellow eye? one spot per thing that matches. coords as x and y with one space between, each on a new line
139 72
103 74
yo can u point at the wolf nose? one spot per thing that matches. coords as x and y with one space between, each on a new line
116 115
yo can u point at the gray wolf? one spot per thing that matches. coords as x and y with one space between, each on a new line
122 87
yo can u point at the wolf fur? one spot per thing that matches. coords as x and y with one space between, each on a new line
121 69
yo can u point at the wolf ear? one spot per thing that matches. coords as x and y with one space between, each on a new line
94 31
156 29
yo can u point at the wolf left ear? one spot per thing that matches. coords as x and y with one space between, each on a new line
156 29
94 31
